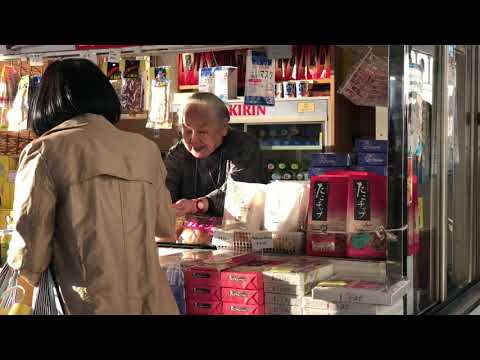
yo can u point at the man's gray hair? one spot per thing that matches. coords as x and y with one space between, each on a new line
220 109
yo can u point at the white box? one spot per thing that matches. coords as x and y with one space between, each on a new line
396 309
360 268
351 309
275 309
286 289
298 272
206 80
282 299
225 82
354 291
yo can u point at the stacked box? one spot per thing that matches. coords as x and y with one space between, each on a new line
286 284
337 290
372 156
331 160
312 306
243 288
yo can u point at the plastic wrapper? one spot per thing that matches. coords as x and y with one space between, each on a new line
260 80
131 97
9 79
285 206
160 99
199 229
18 114
244 206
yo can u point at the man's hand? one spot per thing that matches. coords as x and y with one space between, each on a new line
184 206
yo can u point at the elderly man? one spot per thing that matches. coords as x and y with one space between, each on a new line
199 164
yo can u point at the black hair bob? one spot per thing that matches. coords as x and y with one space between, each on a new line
70 88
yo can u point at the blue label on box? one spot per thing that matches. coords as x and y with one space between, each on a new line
372 159
380 170
371 146
330 160
317 171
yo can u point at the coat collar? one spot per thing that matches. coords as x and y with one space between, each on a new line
79 121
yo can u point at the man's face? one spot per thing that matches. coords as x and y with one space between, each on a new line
202 132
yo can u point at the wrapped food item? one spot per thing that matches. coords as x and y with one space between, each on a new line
18 114
132 87
9 79
285 206
244 206
179 221
260 80
199 230
160 99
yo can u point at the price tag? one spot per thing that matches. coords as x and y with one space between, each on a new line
36 60
12 174
305 107
262 240
114 56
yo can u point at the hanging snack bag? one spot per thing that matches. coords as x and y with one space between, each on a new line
18 114
244 206
260 80
131 97
9 79
160 98
199 229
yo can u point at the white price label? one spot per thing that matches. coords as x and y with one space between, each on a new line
114 56
36 60
262 241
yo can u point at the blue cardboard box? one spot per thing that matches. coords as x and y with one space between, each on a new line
371 146
317 171
375 159
330 160
380 170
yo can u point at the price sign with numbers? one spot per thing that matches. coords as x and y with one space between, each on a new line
260 80
261 241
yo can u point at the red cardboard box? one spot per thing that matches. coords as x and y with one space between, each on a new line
203 293
195 307
245 297
238 309
326 244
248 276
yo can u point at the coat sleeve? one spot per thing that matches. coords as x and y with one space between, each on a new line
173 175
165 222
30 249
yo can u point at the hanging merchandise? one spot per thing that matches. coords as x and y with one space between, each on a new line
160 98
131 97
18 114
113 73
260 80
367 84
9 79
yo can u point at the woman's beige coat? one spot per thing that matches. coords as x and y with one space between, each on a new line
91 198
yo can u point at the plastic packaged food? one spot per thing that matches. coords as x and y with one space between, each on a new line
260 80
199 229
160 99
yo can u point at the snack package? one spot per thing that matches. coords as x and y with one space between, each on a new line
324 160
198 229
373 159
299 271
203 293
285 206
195 307
276 309
283 299
225 82
241 296
206 80
248 276
242 309
319 244
131 97
244 206
9 79
160 98
366 211
351 309
371 146
260 80
18 114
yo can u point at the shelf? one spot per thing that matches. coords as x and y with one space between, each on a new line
293 147
187 87
139 116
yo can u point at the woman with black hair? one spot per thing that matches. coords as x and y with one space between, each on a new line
90 199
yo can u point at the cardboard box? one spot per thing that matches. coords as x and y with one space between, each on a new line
330 160
380 170
203 293
319 244
376 159
298 272
286 289
239 309
275 309
225 82
345 308
371 146
282 299
363 292
246 297
248 276
327 206
204 307
396 309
